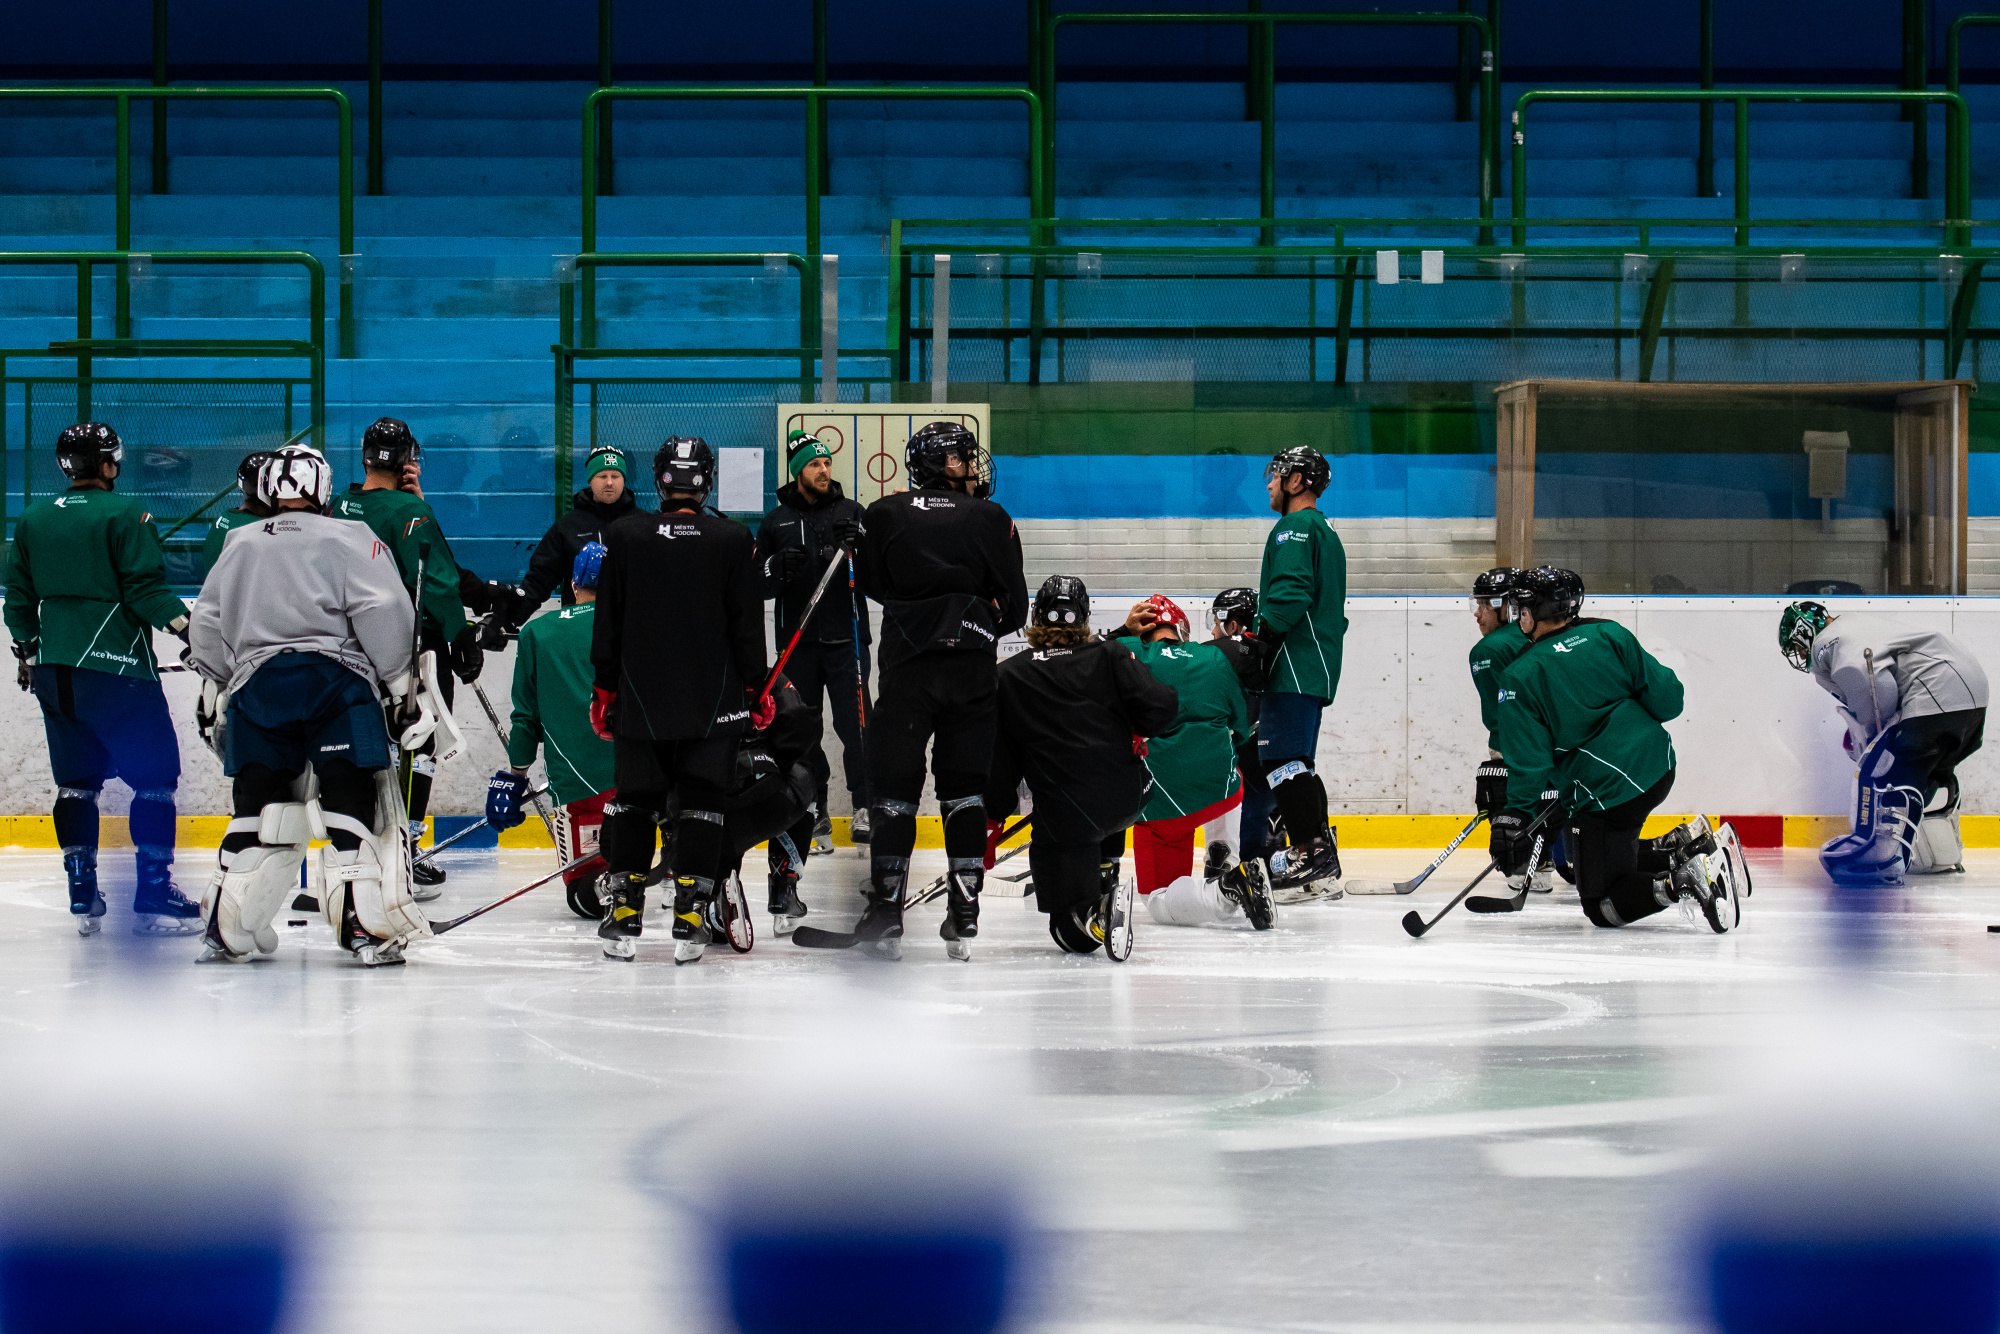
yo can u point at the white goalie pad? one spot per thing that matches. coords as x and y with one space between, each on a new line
376 876
250 886
432 715
1190 901
1937 847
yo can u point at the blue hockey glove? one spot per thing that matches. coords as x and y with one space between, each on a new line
504 794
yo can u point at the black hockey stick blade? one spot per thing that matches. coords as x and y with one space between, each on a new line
1414 923
813 938
1488 904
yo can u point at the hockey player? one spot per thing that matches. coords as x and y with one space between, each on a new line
1925 713
794 544
1302 614
390 500
86 587
552 691
1501 641
1580 711
302 621
1072 712
678 655
945 563
248 507
1193 767
604 499
1244 832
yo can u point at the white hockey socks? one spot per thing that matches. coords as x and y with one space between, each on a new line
1190 901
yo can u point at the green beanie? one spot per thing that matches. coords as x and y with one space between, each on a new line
801 449
608 460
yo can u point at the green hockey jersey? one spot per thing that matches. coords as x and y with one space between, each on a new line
552 684
1580 714
1193 763
1489 657
1302 604
211 545
87 581
406 524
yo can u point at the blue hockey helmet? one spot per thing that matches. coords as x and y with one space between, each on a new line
583 573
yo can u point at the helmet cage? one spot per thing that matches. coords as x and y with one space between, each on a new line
1798 628
296 473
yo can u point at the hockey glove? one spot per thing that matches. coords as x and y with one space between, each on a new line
466 655
847 533
1489 786
602 716
784 566
763 711
1511 843
493 634
504 793
24 670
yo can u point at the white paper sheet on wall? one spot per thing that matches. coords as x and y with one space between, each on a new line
742 480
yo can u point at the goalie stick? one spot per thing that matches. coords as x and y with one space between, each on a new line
439 928
1413 921
812 938
1409 886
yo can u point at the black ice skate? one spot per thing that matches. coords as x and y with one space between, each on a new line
85 903
879 933
782 897
1312 867
727 916
1111 920
961 911
1217 862
691 895
586 894
625 915
1249 888
158 908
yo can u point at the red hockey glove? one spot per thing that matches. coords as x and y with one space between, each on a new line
602 702
1139 746
762 711
993 829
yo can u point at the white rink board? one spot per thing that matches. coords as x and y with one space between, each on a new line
1403 736
867 439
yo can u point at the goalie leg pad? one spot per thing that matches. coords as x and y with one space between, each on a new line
375 876
1938 845
259 882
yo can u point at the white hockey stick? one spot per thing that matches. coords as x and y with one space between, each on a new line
1409 886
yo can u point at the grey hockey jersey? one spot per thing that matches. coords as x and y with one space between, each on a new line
308 583
1916 674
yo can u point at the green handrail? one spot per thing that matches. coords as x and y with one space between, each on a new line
601 99
159 108
1951 42
375 184
1958 139
84 346
124 97
1265 51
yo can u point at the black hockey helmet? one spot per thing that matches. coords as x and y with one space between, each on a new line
247 470
1495 587
1304 460
388 445
82 451
1233 604
685 465
929 454
1549 595
1063 602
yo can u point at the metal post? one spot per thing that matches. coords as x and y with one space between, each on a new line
815 170
1257 36
375 97
1267 113
1743 171
1704 164
1343 317
941 328
1462 92
1499 131
604 108
83 340
159 107
1920 132
819 81
122 322
829 328
1489 126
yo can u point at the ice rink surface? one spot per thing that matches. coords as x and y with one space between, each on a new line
1325 1127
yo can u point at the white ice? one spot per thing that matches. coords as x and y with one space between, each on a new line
1325 1127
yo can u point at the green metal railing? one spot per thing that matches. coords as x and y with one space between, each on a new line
124 97
1958 139
598 103
1954 35
1264 52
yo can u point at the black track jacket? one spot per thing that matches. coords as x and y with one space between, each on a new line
555 556
1067 719
798 522
680 625
946 568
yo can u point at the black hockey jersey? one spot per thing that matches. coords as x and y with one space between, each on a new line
680 625
946 568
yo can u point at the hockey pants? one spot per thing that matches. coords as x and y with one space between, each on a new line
100 726
830 667
948 700
700 771
1615 868
1163 850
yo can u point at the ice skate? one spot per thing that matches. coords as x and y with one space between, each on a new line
586 895
1700 872
1304 872
782 899
1110 922
1219 858
860 829
727 916
1249 887
425 877
822 843
690 918
623 921
158 909
879 933
85 903
961 912
1070 928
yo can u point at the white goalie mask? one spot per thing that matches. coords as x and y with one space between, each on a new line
295 472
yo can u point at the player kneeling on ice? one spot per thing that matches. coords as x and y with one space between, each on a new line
1925 713
552 689
1073 710
300 623
1195 782
1580 711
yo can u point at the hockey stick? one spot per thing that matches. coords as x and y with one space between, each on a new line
416 679
439 928
860 677
1410 886
812 605
812 938
466 832
1413 921
540 795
